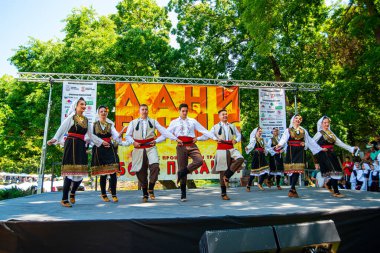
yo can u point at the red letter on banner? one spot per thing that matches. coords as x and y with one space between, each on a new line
171 168
122 169
190 99
129 97
163 101
226 97
204 169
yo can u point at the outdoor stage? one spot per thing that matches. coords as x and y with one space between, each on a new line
39 223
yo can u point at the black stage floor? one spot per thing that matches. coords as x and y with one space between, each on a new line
39 224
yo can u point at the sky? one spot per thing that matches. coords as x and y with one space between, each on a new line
41 19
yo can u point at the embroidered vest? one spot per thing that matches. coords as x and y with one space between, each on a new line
138 129
220 132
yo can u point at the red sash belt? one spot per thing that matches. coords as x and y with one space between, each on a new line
259 149
225 145
277 150
107 140
186 140
329 147
145 143
295 143
79 136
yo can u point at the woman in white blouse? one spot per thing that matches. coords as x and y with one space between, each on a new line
75 160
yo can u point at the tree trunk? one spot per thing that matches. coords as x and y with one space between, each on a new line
276 69
372 11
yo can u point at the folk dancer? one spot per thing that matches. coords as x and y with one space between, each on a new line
327 162
75 159
276 161
184 129
259 165
228 160
141 132
298 140
105 160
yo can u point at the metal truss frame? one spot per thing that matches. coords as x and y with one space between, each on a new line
112 79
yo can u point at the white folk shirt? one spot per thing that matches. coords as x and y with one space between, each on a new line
114 134
187 127
67 124
226 128
163 131
309 142
338 142
270 149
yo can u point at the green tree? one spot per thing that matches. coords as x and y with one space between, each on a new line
300 41
92 44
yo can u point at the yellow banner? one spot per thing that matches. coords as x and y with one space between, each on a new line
163 101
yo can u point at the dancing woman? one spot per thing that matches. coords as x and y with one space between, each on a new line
259 165
105 160
276 161
75 160
327 161
298 140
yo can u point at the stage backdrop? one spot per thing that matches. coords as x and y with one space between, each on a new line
163 101
272 111
74 90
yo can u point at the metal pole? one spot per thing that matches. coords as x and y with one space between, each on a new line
295 101
43 155
52 176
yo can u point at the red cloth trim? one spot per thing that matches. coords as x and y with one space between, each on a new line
259 149
225 145
329 147
187 141
143 142
107 140
79 136
295 143
277 150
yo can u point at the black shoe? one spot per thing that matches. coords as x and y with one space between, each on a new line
183 197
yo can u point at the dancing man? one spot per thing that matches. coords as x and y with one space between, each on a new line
141 132
184 129
228 160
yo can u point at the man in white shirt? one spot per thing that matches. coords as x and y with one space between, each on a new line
227 159
184 129
141 132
